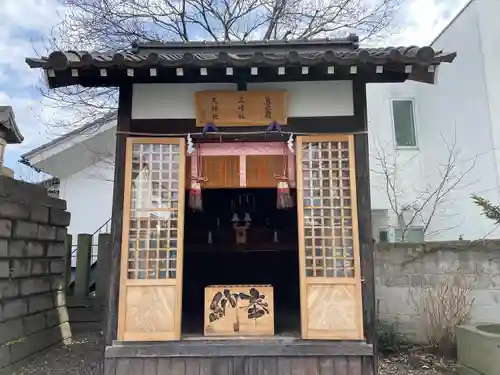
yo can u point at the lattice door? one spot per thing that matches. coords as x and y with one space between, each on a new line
331 306
151 270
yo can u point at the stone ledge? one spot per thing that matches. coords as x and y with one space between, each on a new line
408 247
273 347
30 194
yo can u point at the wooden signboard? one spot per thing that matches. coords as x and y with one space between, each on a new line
239 310
240 108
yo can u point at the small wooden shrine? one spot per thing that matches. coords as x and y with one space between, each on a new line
241 213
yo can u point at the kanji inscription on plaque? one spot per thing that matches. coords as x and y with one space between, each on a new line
240 108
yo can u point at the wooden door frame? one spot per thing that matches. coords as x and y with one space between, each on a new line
130 141
300 217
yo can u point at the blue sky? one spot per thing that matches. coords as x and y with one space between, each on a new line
25 22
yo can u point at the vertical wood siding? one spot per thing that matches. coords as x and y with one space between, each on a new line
337 365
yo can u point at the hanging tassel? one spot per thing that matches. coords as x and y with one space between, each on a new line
195 201
285 199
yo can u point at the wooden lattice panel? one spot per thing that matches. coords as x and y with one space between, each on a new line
152 244
153 228
331 306
328 218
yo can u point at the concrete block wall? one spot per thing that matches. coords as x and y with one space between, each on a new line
33 312
402 270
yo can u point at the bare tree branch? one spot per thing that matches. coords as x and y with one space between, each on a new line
411 204
112 25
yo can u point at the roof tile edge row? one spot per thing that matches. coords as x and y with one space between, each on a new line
400 55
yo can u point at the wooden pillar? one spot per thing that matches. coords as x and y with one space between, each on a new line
123 124
364 215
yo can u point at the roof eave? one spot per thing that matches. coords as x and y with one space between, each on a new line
112 69
76 132
117 78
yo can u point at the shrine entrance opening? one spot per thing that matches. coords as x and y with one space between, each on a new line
263 256
235 252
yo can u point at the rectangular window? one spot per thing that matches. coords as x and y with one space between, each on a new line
404 123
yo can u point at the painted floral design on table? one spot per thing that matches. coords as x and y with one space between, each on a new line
256 306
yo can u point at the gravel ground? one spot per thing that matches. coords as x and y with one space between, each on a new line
83 357
415 363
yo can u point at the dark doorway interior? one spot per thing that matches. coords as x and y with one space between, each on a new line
270 255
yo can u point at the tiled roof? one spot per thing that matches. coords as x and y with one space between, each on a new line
9 126
240 54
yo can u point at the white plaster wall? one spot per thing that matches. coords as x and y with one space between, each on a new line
169 100
157 101
314 99
89 196
454 108
489 29
458 105
381 141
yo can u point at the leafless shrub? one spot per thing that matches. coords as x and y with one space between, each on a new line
442 308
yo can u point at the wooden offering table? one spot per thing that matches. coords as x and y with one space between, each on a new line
239 310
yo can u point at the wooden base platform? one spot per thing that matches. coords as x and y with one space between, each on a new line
258 356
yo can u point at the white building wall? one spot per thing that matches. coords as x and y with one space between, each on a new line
89 196
454 108
407 163
489 30
381 140
459 105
